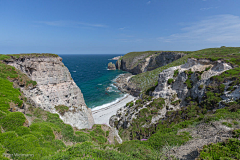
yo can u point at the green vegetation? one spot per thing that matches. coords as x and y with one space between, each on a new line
61 109
228 149
227 124
175 73
200 87
34 83
170 81
176 102
189 83
8 56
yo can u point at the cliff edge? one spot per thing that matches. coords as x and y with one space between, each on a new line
139 62
55 89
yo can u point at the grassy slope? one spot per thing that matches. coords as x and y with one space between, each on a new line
148 79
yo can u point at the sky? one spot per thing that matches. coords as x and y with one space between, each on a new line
117 26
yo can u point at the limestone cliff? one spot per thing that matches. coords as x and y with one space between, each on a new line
188 80
54 87
176 87
136 63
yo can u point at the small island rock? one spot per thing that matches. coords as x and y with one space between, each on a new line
111 66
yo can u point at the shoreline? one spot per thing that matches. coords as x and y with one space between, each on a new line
102 115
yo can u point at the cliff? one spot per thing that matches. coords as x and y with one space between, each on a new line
139 62
195 102
54 88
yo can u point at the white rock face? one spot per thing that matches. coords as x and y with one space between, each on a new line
55 87
178 89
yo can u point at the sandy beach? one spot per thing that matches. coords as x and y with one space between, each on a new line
102 116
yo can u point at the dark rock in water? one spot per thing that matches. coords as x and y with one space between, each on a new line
111 66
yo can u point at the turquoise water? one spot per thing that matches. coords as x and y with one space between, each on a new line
91 75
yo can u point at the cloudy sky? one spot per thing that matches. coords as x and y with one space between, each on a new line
116 26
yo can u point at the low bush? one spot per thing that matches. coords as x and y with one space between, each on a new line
12 121
223 150
170 81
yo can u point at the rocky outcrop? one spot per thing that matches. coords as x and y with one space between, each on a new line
118 64
111 66
147 61
188 80
125 86
175 86
55 87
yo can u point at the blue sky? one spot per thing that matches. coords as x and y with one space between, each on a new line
116 26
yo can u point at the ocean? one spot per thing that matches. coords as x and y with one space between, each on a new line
91 75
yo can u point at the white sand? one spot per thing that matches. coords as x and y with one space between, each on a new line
102 116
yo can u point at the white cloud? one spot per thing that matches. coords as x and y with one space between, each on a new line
148 2
204 9
214 29
122 28
70 24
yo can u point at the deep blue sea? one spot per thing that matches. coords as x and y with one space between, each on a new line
91 75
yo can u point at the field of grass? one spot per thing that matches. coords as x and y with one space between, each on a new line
8 56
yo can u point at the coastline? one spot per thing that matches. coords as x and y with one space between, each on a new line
102 114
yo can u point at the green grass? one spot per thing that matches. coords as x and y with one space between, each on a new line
228 149
34 83
61 109
8 56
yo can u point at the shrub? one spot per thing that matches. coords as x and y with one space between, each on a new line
61 109
175 73
7 136
170 81
12 121
188 82
176 102
158 103
206 69
200 87
222 150
159 139
107 133
221 87
236 133
34 83
227 124
46 131
22 130
82 137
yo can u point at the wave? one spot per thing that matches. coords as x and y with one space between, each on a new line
114 80
74 71
108 104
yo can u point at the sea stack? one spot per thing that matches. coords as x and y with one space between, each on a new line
111 66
